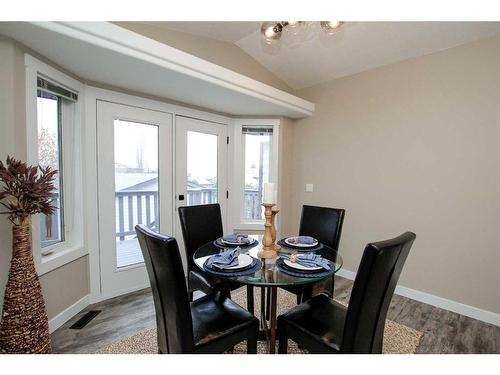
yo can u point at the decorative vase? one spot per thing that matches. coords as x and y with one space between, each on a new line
24 327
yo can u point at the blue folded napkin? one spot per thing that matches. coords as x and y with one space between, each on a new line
304 240
310 260
224 259
237 237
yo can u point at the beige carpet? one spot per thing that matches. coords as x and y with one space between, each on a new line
398 338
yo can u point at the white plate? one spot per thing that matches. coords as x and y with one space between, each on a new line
244 260
252 240
289 242
300 266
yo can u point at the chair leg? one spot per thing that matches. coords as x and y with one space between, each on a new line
268 303
224 293
306 293
299 298
332 290
250 299
283 341
252 345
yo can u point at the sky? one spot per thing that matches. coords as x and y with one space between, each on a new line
132 137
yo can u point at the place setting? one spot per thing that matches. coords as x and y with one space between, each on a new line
301 243
230 263
236 239
305 265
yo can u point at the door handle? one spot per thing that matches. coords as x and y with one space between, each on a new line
181 197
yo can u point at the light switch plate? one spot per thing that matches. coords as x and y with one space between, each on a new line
309 188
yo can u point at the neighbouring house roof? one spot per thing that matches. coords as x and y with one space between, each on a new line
125 181
128 181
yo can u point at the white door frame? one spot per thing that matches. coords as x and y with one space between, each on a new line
92 94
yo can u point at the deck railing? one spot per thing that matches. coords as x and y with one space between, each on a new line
141 207
252 206
135 207
49 224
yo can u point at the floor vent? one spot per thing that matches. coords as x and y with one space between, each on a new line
84 320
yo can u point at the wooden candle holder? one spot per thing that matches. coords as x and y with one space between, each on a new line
275 211
268 248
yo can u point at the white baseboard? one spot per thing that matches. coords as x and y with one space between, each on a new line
68 313
116 293
443 303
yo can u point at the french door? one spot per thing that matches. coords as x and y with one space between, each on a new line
201 166
134 152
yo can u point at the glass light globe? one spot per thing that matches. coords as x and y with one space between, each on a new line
331 27
294 27
271 32
294 33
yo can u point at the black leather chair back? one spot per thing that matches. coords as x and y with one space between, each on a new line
166 274
322 223
200 224
372 292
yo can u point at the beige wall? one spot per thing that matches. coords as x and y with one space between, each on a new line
58 294
285 177
413 146
12 133
62 286
225 54
6 147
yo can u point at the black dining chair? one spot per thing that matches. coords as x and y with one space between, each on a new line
324 224
207 325
202 224
322 325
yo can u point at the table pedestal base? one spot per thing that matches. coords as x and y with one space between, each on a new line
268 305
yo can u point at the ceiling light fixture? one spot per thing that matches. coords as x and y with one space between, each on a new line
296 32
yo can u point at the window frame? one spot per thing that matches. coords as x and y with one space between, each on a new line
72 247
238 187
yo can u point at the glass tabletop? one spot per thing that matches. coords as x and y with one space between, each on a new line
269 274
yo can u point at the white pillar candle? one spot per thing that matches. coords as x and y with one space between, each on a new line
268 193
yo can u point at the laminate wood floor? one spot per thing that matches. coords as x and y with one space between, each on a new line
124 316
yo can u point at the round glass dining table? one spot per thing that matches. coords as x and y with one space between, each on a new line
269 278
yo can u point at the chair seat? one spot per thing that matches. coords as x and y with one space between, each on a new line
220 324
323 286
199 280
316 323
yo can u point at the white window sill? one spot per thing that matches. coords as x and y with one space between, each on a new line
60 258
258 226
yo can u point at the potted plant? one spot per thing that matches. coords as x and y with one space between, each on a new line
24 191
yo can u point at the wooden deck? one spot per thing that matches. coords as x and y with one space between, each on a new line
128 252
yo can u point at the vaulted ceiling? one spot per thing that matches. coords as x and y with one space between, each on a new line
359 47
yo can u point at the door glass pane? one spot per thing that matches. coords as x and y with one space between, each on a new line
257 143
136 186
201 168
